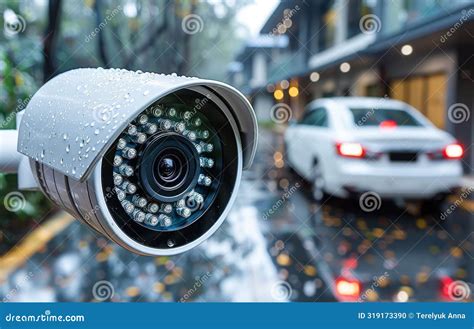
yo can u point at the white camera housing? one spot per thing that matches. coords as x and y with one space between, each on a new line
71 128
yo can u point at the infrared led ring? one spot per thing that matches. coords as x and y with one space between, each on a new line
165 167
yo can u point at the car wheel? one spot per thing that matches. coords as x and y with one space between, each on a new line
434 205
317 183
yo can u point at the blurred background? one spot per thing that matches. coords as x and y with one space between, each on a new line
281 241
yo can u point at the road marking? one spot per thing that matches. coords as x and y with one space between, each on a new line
30 245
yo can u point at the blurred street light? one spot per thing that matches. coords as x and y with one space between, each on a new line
407 50
270 88
314 77
278 94
345 67
294 91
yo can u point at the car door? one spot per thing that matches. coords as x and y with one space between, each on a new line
315 140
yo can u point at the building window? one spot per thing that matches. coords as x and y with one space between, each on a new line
328 29
425 93
357 10
374 90
400 14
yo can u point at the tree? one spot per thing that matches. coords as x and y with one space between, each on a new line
166 36
50 37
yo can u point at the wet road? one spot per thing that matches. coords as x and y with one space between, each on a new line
401 251
276 245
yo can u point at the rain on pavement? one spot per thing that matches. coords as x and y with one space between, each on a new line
276 245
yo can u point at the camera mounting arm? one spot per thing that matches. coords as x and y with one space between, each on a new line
12 161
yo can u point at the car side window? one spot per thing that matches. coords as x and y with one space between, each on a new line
304 120
316 117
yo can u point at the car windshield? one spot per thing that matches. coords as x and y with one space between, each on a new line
370 117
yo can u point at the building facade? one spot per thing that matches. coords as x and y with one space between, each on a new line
420 52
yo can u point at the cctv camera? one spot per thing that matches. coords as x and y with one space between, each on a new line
151 161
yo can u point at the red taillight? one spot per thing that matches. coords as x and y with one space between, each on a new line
348 289
444 289
453 151
388 124
351 150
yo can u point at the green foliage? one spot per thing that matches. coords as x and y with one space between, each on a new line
20 62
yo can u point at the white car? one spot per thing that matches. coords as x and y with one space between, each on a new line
351 145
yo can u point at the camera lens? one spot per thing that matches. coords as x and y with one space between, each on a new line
171 168
167 168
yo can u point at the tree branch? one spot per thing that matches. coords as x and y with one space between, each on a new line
150 41
49 41
99 19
